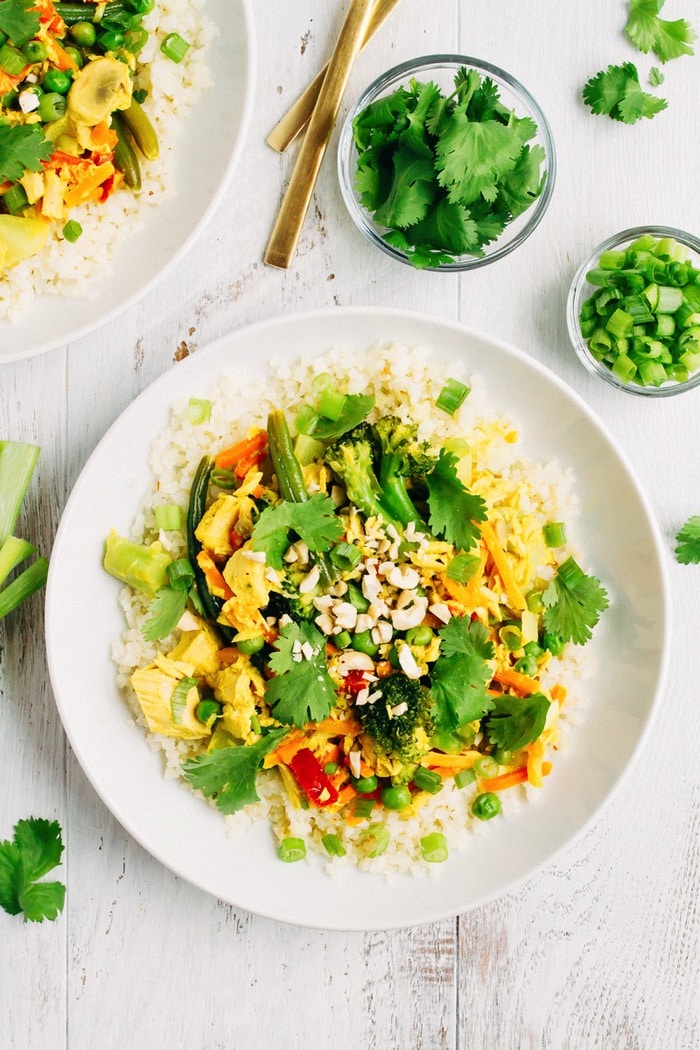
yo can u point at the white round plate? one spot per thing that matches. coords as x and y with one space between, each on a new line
208 148
622 547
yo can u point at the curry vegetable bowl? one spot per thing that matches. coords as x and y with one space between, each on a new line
363 623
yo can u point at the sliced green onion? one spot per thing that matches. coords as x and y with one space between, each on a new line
377 838
174 47
427 780
363 808
199 410
178 700
464 778
511 636
72 231
291 849
52 106
12 553
12 60
462 567
180 574
224 479
307 449
533 600
555 533
486 767
255 723
346 556
433 848
23 586
168 517
306 421
526 665
333 846
331 405
15 199
343 639
452 396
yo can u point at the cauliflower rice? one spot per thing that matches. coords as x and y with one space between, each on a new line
66 269
398 376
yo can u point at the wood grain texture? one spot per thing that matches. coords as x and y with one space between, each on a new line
600 948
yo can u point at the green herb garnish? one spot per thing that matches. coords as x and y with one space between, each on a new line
35 849
688 539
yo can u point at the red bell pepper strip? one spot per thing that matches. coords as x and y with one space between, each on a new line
310 777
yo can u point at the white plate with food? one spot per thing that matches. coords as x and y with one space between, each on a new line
489 562
108 246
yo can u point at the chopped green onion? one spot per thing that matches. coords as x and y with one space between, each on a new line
178 700
15 199
12 60
363 807
433 848
331 405
526 665
23 586
377 838
462 567
198 410
144 568
72 231
180 574
554 533
52 106
306 421
307 449
511 636
174 47
291 849
12 553
427 780
255 723
486 767
464 778
346 556
452 396
168 517
343 639
333 846
224 479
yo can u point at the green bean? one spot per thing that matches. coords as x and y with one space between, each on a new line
71 13
142 130
195 512
125 158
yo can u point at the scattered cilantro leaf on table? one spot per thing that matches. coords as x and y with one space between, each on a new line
648 32
516 721
453 508
301 690
461 674
616 93
315 521
22 148
228 775
688 539
35 849
656 77
573 603
19 20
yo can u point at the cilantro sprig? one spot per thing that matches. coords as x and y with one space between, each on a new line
454 510
617 93
22 148
688 542
19 20
315 521
35 849
302 690
516 721
461 674
573 603
229 774
648 32
445 174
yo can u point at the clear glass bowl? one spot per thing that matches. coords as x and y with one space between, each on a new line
441 70
581 290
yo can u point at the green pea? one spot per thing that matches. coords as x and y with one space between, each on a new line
533 600
396 797
208 710
248 646
365 785
362 643
533 649
52 106
110 40
421 635
486 806
75 54
357 598
526 665
56 80
503 757
553 643
34 51
83 33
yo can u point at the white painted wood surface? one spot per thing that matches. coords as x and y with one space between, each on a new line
600 949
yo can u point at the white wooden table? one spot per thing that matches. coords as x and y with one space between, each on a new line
598 950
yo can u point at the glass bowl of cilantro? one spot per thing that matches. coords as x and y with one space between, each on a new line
633 311
446 163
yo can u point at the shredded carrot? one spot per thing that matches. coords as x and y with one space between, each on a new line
59 56
520 683
249 451
88 183
338 727
558 692
103 135
546 769
215 580
467 594
505 780
383 668
285 750
436 759
535 756
515 595
447 772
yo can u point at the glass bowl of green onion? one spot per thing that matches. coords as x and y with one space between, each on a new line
633 311
446 163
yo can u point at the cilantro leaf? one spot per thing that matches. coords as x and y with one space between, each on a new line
688 539
412 190
648 32
472 156
35 849
449 224
461 674
414 136
656 77
164 613
616 93
19 19
315 521
453 509
302 690
525 182
516 722
22 148
228 775
573 603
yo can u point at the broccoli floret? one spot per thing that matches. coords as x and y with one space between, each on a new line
403 456
352 459
297 606
402 736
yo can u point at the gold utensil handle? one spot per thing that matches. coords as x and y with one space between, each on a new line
299 113
297 197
